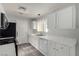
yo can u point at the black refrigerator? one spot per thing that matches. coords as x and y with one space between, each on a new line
10 31
8 36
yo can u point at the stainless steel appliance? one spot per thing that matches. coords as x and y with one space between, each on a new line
7 37
3 21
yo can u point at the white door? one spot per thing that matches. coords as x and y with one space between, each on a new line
21 32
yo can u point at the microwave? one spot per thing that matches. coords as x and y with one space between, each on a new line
3 21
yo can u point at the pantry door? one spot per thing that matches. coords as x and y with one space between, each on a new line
21 32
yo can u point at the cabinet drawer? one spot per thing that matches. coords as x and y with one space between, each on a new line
62 50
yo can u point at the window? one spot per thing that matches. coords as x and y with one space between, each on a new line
40 25
45 26
34 24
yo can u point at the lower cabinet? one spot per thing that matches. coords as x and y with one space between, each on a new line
7 50
57 49
52 48
62 50
34 40
43 43
39 43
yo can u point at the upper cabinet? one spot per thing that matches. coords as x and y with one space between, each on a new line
51 21
66 18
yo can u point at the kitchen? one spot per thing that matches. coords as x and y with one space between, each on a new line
39 29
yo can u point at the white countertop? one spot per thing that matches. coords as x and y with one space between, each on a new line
64 40
60 39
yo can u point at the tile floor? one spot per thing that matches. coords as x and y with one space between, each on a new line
28 50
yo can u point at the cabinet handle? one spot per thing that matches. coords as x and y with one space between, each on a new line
17 33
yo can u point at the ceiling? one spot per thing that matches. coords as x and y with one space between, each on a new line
32 9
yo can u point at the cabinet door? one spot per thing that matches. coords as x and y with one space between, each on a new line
21 29
43 46
66 18
36 42
7 50
31 40
62 50
51 21
51 48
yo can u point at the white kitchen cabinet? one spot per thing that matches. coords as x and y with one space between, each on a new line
34 40
61 46
7 50
66 18
62 50
40 44
54 46
43 43
51 21
57 49
51 48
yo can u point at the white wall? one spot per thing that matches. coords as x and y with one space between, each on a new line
1 8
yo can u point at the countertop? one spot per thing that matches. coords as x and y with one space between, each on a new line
60 39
